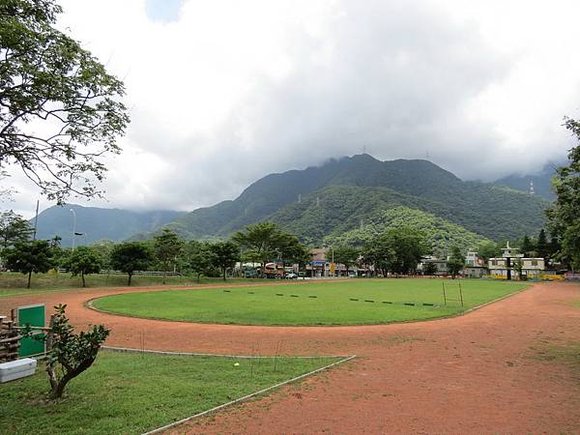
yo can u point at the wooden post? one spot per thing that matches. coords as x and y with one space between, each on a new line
9 340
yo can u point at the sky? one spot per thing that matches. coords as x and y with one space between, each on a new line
224 92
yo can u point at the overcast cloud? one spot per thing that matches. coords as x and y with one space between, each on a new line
224 92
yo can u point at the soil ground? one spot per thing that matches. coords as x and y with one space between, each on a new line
478 373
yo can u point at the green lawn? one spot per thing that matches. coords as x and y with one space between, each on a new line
135 392
351 302
14 284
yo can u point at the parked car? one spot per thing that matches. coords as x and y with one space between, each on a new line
291 275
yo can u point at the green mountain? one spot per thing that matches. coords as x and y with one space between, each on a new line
96 224
334 198
441 234
542 182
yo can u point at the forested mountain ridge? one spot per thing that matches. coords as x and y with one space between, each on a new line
319 202
440 234
336 196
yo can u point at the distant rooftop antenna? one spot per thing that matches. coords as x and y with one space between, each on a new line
299 198
531 191
364 149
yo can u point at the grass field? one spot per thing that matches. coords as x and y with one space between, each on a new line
136 392
14 284
349 302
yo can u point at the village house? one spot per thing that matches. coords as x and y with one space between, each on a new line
511 264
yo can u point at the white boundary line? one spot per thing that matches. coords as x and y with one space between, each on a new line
163 352
241 399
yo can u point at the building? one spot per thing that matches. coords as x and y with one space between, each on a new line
511 264
474 265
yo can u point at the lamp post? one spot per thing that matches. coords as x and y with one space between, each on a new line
74 227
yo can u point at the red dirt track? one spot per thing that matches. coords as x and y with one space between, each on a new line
478 373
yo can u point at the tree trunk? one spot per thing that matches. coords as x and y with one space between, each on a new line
29 279
225 268
58 388
129 280
83 279
50 365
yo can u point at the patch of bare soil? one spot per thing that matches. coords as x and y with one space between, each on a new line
477 373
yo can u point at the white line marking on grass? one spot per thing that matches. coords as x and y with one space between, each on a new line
241 399
163 352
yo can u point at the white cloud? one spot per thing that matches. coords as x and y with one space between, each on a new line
231 91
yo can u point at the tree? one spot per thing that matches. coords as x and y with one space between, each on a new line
527 246
346 255
224 255
518 267
564 215
83 261
104 249
129 257
429 269
48 79
69 354
542 247
290 250
13 228
198 258
167 246
456 262
30 257
407 247
377 253
260 242
398 250
487 250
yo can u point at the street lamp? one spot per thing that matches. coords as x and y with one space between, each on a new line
74 231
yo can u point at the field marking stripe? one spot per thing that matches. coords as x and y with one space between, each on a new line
249 396
217 355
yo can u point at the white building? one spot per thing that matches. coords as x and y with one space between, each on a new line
530 267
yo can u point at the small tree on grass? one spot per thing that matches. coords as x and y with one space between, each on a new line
83 261
69 354
129 257
198 258
346 255
456 262
167 245
30 257
224 256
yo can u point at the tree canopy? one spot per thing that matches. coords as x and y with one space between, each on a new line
564 215
13 228
456 262
396 250
167 246
129 257
48 79
224 255
30 257
82 261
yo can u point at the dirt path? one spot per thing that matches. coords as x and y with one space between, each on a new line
478 373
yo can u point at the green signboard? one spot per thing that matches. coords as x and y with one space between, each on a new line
33 315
